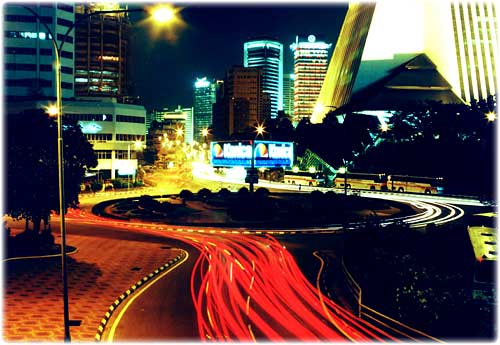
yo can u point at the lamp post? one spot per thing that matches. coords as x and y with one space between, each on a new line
57 111
343 170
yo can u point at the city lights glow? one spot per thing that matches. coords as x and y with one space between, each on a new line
51 109
491 116
163 14
164 22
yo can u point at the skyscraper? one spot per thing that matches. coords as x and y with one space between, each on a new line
204 98
310 65
267 54
242 103
288 80
29 53
460 39
102 47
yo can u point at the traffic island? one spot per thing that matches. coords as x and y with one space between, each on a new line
258 210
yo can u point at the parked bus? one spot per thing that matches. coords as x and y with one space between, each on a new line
357 180
415 184
304 178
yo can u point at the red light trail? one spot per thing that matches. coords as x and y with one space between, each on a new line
246 287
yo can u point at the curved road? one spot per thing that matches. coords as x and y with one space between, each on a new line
242 287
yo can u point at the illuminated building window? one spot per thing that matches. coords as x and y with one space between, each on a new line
129 137
103 154
27 34
102 137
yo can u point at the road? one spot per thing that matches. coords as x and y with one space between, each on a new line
163 310
244 287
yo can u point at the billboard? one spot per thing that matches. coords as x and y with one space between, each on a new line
266 154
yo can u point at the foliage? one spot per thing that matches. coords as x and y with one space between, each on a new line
32 169
455 142
204 193
186 194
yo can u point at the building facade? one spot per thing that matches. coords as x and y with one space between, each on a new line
29 54
288 80
310 57
267 54
204 98
242 104
459 38
116 131
101 51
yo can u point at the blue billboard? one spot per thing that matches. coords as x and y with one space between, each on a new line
266 154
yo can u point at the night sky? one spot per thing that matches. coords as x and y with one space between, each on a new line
164 72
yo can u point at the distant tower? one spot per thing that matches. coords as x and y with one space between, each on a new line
242 104
101 51
204 98
288 80
461 39
29 55
310 65
267 54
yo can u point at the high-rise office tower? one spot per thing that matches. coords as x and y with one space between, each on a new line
459 38
267 54
288 80
204 98
242 104
29 53
310 65
101 51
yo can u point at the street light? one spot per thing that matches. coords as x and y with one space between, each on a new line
491 116
56 110
343 170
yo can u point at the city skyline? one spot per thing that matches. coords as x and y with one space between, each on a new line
157 63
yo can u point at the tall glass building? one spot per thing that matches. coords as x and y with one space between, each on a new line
310 65
459 38
288 80
204 98
267 54
29 54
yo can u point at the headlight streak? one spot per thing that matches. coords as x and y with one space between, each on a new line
246 287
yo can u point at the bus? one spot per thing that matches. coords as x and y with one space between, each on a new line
415 184
304 178
357 180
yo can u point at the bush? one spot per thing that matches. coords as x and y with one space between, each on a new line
204 193
96 186
243 191
224 192
186 194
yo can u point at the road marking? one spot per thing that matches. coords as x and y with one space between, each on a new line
125 307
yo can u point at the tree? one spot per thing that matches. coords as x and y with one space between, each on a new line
32 171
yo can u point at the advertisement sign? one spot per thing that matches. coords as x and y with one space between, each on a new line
266 154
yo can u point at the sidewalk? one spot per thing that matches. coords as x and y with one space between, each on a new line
100 271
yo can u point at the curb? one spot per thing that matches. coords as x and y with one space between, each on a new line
131 290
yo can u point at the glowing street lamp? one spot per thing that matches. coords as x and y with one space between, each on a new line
491 116
384 127
56 110
260 129
51 110
343 170
163 14
179 132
